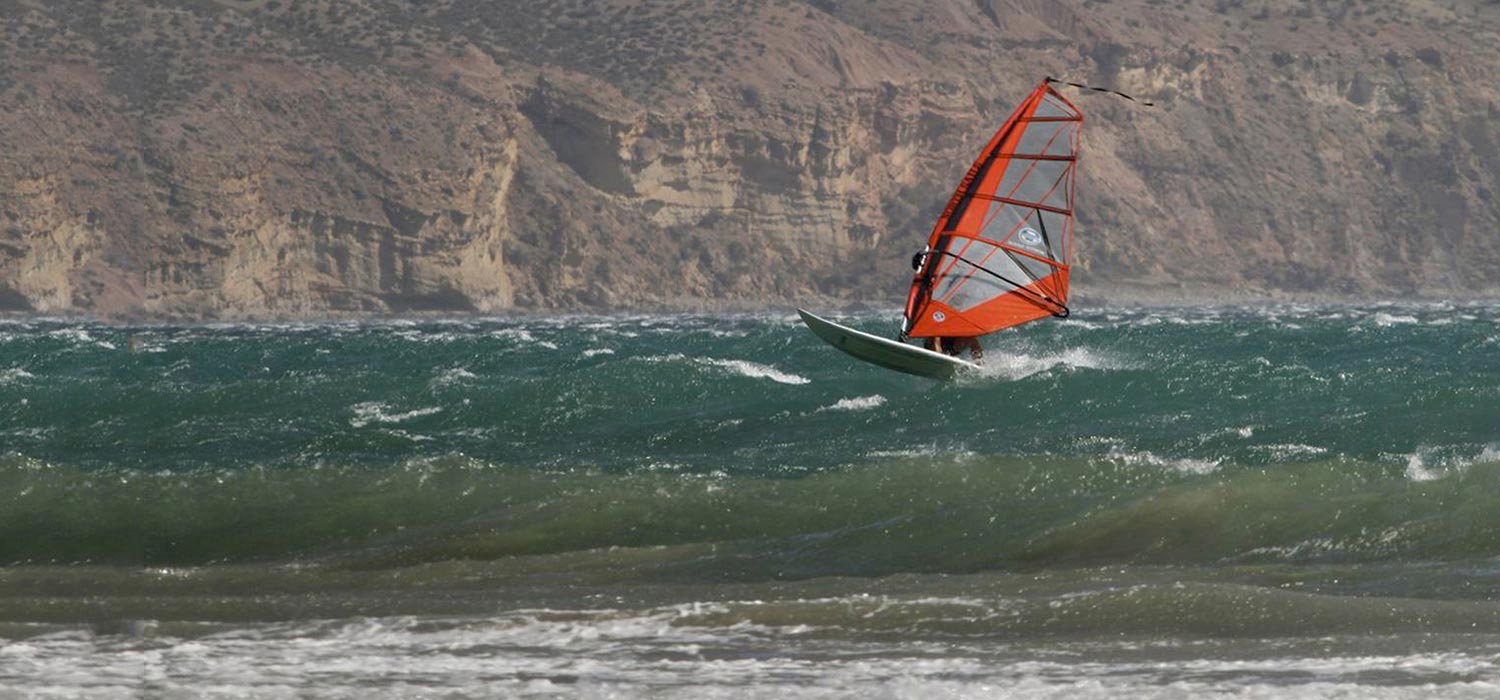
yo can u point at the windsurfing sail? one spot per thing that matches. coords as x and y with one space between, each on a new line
999 255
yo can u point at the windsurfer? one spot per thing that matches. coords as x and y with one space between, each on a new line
957 345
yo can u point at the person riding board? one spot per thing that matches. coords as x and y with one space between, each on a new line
956 345
952 346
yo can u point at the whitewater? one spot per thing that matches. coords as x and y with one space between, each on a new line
1278 501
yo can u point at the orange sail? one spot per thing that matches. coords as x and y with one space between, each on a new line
998 257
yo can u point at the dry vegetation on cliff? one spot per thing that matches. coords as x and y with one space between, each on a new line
227 158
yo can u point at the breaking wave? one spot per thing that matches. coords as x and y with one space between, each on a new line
859 403
1020 366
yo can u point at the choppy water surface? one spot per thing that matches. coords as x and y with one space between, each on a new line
1277 502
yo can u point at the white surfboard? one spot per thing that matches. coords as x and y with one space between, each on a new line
884 352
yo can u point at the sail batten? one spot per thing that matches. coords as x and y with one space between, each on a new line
999 255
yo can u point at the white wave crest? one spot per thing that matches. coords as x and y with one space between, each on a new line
377 412
417 336
1281 452
80 336
756 370
455 375
744 368
14 374
859 403
954 454
1421 465
1187 466
518 334
523 337
593 352
1385 320
1020 366
1417 469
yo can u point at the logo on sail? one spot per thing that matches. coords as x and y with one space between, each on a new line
1029 236
939 316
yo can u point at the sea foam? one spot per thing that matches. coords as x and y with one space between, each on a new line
377 412
746 368
859 403
743 368
1019 366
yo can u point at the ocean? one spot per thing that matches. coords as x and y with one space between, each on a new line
1280 501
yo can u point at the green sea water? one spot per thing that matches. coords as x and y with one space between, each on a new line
1154 502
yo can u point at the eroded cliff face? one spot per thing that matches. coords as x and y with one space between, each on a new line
246 158
279 190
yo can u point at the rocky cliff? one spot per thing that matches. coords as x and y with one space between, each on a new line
265 158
